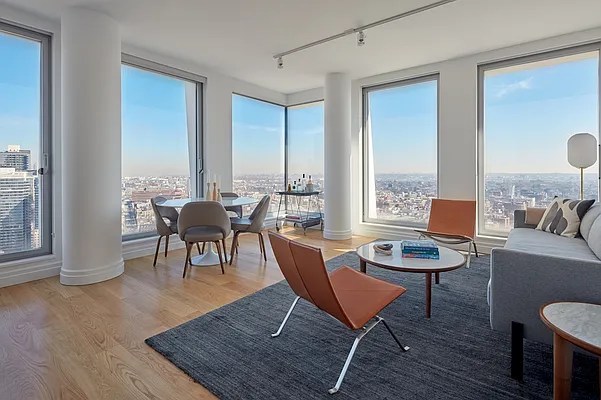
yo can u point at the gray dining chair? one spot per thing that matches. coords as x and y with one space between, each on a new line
201 222
234 209
252 224
166 223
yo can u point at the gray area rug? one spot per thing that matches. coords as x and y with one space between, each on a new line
454 355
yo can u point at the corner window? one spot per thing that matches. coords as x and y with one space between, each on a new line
400 142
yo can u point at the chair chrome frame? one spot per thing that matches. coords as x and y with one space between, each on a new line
349 358
452 240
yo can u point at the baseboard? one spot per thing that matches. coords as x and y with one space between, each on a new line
23 271
337 235
92 275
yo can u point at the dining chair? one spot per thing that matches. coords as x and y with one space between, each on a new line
452 222
346 294
252 224
166 223
234 209
201 222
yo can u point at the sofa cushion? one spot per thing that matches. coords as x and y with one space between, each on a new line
540 242
589 218
594 237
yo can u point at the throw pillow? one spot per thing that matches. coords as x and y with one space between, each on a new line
563 216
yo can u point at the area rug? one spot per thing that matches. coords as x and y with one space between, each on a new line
454 355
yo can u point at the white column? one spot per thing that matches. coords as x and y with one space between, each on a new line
337 154
91 147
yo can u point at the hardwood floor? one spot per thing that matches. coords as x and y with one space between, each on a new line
87 342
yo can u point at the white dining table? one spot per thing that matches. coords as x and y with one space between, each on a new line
209 257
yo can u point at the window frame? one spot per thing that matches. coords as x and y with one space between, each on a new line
45 173
200 82
365 156
480 152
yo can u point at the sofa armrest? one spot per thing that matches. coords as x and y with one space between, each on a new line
519 220
520 283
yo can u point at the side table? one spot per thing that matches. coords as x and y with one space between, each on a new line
572 323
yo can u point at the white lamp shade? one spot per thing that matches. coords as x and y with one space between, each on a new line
582 150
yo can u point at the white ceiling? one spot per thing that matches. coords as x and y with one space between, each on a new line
239 37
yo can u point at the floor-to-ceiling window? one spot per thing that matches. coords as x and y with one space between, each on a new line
529 107
400 137
305 154
25 213
258 148
161 138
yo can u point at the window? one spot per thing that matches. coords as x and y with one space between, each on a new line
25 192
400 135
529 108
305 145
161 142
258 148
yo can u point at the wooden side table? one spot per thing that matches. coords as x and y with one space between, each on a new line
572 323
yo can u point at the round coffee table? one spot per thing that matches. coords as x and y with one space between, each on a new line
449 261
572 323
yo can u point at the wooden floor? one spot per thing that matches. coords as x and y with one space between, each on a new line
87 342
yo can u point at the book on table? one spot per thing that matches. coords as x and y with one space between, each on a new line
426 249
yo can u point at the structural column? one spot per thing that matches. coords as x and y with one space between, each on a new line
337 154
91 147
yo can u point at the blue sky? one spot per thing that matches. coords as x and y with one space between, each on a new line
530 114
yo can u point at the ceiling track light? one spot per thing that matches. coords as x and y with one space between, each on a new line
360 30
361 38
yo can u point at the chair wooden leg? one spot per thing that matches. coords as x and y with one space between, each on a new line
437 277
234 246
188 248
198 247
224 250
166 245
203 248
220 256
262 245
156 253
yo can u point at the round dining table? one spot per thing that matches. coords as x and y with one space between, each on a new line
209 257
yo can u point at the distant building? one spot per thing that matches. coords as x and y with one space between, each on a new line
17 210
15 158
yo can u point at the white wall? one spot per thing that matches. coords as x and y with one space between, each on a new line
217 145
458 124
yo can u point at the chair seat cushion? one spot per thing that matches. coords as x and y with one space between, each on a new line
362 296
203 234
240 224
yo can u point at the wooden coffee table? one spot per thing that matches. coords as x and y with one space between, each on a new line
572 323
449 261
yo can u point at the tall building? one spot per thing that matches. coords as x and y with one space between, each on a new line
17 210
16 158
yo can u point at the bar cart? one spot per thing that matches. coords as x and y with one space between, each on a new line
297 212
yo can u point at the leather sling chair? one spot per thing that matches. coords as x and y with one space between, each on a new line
348 295
452 222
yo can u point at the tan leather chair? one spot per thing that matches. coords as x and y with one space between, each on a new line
452 222
201 222
235 209
166 223
252 224
346 294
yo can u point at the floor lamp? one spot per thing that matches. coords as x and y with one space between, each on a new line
582 153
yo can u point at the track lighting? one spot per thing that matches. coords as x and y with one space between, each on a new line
359 30
361 38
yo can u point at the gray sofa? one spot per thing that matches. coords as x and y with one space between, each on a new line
535 268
